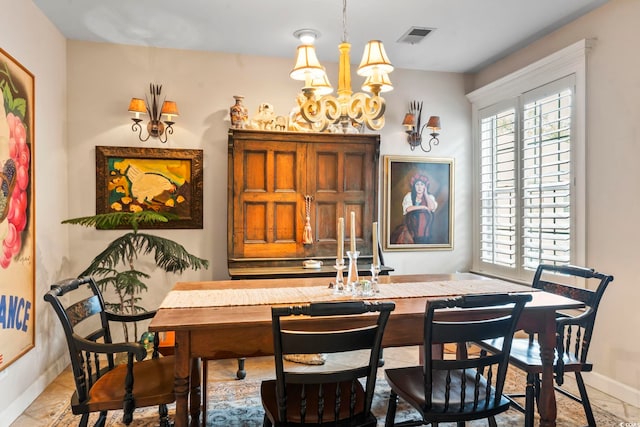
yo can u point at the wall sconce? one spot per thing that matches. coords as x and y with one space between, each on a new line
414 130
155 128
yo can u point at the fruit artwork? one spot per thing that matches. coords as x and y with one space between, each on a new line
15 160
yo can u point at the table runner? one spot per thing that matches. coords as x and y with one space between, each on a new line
268 296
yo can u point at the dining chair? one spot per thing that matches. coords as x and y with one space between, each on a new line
101 384
331 394
574 330
458 390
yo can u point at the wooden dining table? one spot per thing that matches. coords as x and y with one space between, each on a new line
217 320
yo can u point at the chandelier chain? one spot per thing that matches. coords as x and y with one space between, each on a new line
344 21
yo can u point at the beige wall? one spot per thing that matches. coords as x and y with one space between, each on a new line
29 37
613 178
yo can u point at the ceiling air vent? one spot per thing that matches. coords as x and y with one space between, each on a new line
415 35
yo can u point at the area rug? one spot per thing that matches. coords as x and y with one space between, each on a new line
237 404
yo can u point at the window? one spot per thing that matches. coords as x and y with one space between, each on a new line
529 169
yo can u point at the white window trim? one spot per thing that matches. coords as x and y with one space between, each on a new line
570 60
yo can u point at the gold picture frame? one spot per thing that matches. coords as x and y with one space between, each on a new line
164 180
17 210
415 220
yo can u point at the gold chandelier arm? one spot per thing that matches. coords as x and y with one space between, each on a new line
374 124
369 110
321 112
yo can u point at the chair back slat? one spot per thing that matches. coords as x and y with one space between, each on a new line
310 342
334 395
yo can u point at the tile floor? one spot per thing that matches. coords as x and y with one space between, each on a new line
49 404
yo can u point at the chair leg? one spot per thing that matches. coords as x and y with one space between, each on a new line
84 420
585 400
266 422
164 416
205 379
529 407
492 422
241 373
102 419
391 410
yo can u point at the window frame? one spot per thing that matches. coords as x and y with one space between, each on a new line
511 89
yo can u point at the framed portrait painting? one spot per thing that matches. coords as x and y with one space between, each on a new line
17 211
418 203
162 180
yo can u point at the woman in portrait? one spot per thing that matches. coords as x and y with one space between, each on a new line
418 207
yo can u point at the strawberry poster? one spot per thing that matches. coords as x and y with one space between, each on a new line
17 228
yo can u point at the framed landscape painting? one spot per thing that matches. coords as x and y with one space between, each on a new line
418 203
161 180
17 211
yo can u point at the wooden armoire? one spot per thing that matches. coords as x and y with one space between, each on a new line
275 176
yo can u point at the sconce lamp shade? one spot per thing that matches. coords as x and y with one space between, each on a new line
306 64
321 85
137 105
409 121
434 123
374 58
379 82
169 108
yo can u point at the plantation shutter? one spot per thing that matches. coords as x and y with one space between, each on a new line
546 174
498 178
526 179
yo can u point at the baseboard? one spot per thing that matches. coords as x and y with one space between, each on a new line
613 388
22 402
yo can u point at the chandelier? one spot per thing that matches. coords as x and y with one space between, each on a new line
321 109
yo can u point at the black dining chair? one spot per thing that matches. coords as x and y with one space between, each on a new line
101 384
458 390
328 395
574 330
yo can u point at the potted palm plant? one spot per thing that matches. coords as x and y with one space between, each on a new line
115 267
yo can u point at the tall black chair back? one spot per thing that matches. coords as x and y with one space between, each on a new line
332 395
452 390
101 384
574 331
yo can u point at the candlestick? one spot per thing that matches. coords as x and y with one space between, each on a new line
352 275
340 253
338 287
374 235
353 232
375 271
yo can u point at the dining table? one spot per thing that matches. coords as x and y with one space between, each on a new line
224 319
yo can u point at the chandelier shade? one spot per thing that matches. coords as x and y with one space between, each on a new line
374 59
307 65
377 83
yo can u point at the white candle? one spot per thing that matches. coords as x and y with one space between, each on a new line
352 235
340 255
374 246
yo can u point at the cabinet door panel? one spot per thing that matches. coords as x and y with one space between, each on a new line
356 172
342 176
266 210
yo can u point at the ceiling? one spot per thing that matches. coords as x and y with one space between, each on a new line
468 34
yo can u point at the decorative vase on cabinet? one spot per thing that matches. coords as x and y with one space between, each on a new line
239 113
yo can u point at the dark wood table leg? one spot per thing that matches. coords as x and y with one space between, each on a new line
182 374
547 339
